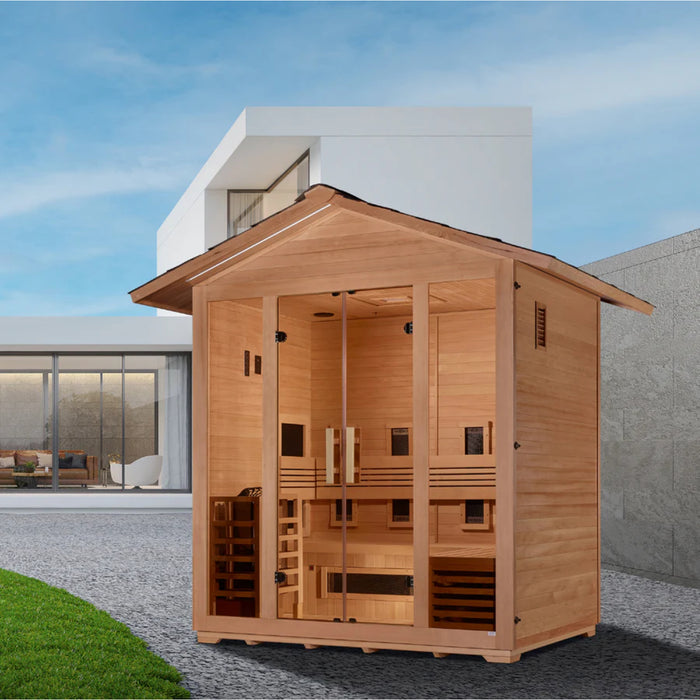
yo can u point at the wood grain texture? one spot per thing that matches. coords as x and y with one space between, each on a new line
466 375
421 451
235 401
200 451
270 452
505 464
556 535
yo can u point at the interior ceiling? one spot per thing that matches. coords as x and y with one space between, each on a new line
445 297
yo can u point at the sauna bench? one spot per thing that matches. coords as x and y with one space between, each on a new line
361 545
380 493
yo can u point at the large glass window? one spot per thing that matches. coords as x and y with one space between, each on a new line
122 421
247 207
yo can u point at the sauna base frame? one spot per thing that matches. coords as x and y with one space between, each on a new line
501 656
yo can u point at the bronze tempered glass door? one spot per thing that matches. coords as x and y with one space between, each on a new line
379 459
310 398
345 465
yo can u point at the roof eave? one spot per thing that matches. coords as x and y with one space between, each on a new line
320 197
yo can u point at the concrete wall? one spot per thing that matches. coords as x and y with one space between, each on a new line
650 395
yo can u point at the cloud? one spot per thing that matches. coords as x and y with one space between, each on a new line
128 61
655 68
20 197
43 257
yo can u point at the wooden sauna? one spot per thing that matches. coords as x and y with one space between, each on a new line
395 434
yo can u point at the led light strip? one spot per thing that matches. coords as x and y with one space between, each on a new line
250 247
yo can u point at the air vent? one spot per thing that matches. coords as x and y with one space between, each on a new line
540 325
463 593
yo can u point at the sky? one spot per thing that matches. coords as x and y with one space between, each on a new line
108 110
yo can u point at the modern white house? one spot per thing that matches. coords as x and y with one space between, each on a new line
468 167
115 390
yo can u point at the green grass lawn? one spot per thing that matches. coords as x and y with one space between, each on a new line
54 645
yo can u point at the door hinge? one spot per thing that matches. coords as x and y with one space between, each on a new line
409 581
408 328
280 577
280 336
516 445
517 285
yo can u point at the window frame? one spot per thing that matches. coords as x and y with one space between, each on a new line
264 190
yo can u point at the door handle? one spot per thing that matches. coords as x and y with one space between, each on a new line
330 456
349 455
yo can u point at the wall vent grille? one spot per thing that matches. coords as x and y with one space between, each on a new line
540 325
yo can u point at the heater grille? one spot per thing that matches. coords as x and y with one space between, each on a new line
463 593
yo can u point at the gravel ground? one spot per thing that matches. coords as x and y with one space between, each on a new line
137 568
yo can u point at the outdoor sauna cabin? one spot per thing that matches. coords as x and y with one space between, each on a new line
395 434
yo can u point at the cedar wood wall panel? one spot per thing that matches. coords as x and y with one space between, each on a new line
380 380
462 378
235 407
294 388
556 529
235 401
466 376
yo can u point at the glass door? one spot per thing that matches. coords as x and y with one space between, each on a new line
310 531
345 538
379 461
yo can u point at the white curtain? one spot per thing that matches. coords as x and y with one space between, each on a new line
175 425
245 210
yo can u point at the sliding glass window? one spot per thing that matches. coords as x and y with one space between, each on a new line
122 421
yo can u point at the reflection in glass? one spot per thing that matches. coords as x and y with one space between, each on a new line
83 404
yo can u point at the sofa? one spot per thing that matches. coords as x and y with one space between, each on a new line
73 475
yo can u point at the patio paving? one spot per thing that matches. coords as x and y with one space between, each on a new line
137 567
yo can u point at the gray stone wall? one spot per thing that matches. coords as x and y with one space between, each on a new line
650 412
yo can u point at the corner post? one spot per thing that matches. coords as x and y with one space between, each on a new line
505 454
200 465
268 519
421 442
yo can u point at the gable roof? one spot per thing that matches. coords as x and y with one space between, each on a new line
172 290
